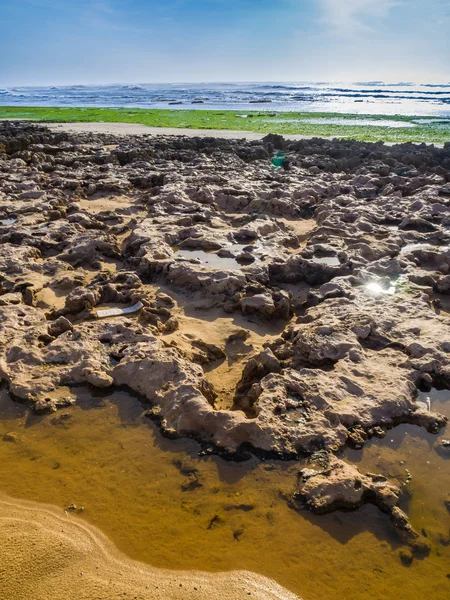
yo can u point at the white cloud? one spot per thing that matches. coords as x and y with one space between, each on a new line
349 16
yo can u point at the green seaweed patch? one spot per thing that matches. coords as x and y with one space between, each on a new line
416 129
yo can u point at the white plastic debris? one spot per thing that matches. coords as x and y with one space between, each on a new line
117 312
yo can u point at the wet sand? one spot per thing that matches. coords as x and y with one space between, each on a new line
48 553
137 129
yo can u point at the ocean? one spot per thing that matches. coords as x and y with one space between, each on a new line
375 97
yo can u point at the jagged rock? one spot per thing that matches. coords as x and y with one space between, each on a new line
80 299
61 325
211 351
406 557
338 485
89 220
260 303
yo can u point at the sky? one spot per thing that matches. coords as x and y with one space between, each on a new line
64 42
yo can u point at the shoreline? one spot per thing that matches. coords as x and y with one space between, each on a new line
391 129
137 129
47 551
126 129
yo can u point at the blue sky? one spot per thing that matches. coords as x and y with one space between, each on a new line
46 42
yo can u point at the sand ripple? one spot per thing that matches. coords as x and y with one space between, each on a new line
48 554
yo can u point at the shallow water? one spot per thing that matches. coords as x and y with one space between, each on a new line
430 247
331 261
408 448
348 122
8 221
209 259
376 97
108 458
434 121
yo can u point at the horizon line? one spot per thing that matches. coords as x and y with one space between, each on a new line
229 82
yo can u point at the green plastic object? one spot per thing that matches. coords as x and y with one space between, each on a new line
278 159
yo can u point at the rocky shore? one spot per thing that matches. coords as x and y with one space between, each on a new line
346 251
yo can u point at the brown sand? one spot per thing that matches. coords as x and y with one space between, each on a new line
49 554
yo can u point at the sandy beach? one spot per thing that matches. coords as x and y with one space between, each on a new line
136 129
48 553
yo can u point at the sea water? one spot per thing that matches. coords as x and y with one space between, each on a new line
357 98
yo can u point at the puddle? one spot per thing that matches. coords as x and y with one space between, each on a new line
8 221
102 454
209 259
212 260
426 247
431 121
438 400
349 122
408 448
331 261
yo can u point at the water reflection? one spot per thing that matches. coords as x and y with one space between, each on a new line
331 261
105 455
209 259
377 289
409 450
8 221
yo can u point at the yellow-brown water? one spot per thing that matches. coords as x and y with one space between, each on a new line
132 484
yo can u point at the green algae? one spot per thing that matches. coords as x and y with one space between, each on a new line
425 129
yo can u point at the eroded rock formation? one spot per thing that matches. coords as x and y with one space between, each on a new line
347 253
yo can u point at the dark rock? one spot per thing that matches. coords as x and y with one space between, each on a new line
406 557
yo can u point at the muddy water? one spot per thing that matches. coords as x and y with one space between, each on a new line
105 456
